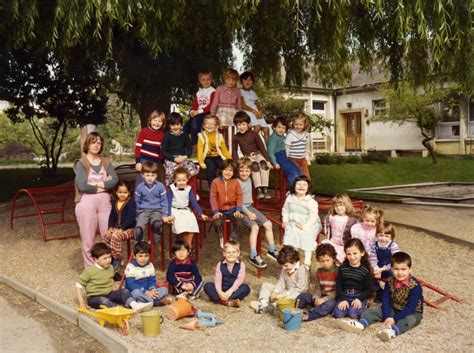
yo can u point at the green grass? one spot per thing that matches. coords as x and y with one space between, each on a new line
15 179
331 179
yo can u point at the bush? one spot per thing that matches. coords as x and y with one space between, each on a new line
375 157
353 159
15 149
370 157
327 158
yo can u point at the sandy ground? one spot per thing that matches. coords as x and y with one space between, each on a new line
52 269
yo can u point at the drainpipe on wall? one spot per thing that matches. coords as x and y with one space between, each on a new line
334 97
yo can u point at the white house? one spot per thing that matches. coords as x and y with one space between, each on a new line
350 107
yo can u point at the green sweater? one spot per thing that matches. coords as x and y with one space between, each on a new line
275 143
97 281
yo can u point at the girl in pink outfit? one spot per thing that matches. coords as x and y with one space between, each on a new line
366 231
227 100
338 224
95 176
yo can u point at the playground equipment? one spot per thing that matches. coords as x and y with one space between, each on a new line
444 295
115 316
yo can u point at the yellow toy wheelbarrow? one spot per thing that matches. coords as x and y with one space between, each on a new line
116 316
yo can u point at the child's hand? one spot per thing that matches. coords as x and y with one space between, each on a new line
187 287
228 293
202 165
168 219
343 305
222 295
138 167
204 217
258 114
252 216
356 304
277 166
238 214
193 113
99 189
309 162
389 321
270 165
378 273
152 294
274 296
217 215
318 301
108 178
284 225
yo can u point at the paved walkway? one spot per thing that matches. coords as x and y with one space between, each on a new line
457 223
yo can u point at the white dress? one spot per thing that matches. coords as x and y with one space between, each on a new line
185 220
250 99
305 211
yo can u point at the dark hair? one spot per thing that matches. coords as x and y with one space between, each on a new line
241 117
246 74
364 261
141 247
225 164
288 254
401 258
123 183
326 249
91 138
178 245
280 120
301 178
150 167
387 228
180 170
175 119
100 249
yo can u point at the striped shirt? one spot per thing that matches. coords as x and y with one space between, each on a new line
148 146
327 282
297 144
353 278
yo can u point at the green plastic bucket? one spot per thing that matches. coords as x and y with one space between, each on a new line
151 322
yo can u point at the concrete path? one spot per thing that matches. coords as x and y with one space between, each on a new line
457 223
19 333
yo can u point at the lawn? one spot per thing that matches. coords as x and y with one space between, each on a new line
331 179
15 179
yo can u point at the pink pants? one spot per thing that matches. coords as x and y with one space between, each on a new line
91 211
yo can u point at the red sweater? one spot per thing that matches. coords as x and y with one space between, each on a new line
148 146
327 281
203 100
226 197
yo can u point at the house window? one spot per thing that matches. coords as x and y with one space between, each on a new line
379 107
449 125
319 105
470 123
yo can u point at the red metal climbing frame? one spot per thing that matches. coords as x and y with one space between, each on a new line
445 296
45 201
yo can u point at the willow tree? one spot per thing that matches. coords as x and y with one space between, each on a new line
150 51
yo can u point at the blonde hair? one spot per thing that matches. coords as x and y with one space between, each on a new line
343 199
244 162
209 117
232 244
301 116
230 73
157 114
376 212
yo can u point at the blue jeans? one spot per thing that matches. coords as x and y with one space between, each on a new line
350 311
306 299
139 295
289 167
240 293
193 127
115 298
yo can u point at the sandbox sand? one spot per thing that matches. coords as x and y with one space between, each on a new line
53 268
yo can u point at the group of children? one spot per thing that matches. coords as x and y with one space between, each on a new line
351 256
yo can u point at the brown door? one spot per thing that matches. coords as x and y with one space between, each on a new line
353 125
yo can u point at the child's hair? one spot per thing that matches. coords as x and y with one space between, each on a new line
212 117
232 243
288 254
150 167
401 258
241 117
246 74
205 73
226 164
326 249
280 120
387 228
178 245
100 249
175 119
180 170
141 247
342 199
244 162
122 183
230 73
302 116
300 178
364 261
371 210
154 114
91 138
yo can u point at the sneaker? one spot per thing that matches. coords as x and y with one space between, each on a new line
267 194
260 194
233 303
350 325
273 254
139 307
258 307
386 335
257 262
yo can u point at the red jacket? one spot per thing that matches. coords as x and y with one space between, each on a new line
226 197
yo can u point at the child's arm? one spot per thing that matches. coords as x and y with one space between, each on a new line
195 107
138 197
308 149
235 147
194 203
214 196
238 102
285 213
239 199
138 147
170 275
200 151
187 145
224 149
280 285
271 147
288 142
164 203
112 217
195 272
80 296
218 281
215 101
169 198
373 258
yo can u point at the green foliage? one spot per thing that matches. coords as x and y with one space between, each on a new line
20 132
334 158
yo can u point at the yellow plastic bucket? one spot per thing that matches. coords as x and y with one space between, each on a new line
151 322
285 303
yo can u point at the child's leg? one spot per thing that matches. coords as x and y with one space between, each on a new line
199 285
170 166
219 226
241 292
162 292
407 323
156 223
191 167
193 127
290 169
356 313
371 316
237 224
307 257
211 168
96 301
265 292
142 221
269 235
264 170
322 310
302 164
119 236
121 296
140 296
210 290
339 313
304 300
257 182
188 238
253 240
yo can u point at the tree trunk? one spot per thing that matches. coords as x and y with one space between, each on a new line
427 143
